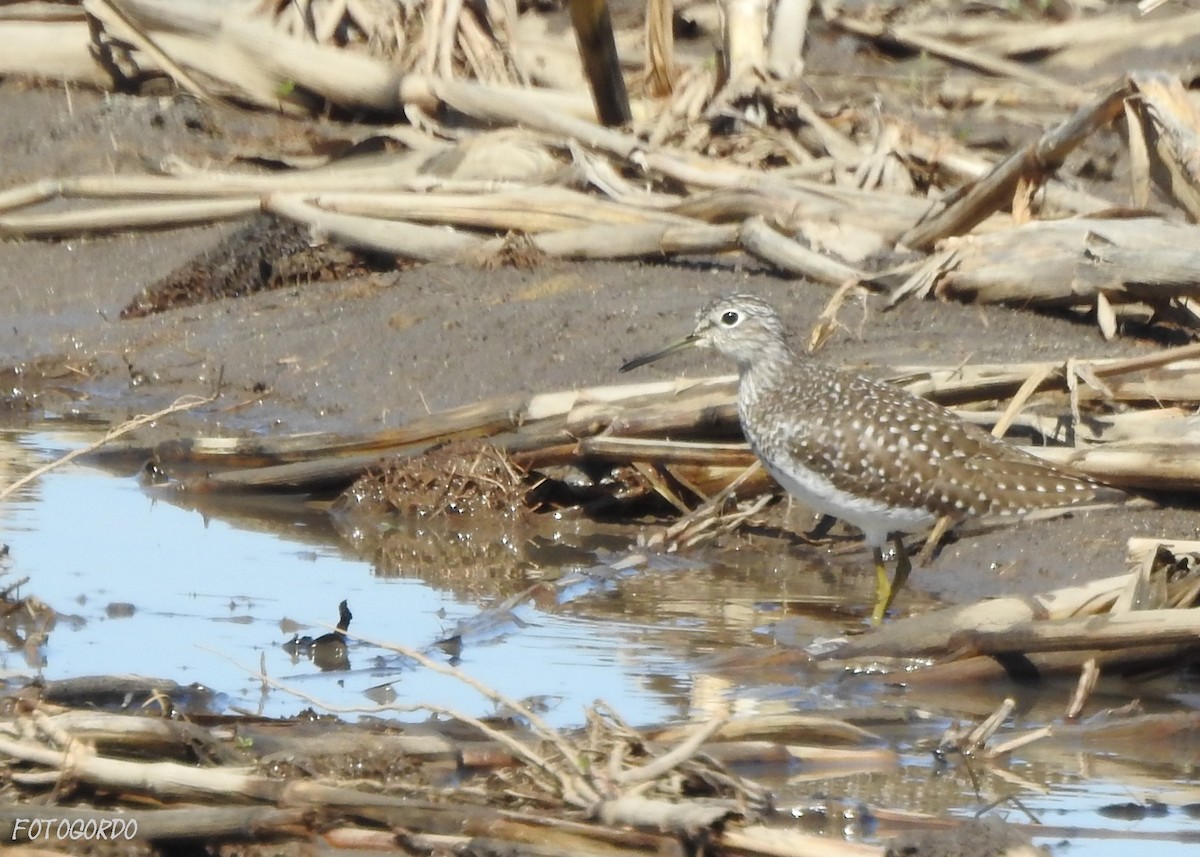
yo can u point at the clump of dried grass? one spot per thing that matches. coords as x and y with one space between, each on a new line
458 514
459 479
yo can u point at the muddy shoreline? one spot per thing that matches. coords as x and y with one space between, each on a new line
369 352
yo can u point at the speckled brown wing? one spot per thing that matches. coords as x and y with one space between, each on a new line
874 439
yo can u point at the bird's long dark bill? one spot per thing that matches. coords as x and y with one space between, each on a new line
687 342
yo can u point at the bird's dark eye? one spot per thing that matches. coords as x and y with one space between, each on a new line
730 318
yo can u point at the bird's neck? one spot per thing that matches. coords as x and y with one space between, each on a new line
769 361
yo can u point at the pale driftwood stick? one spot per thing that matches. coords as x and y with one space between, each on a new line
501 21
844 151
1089 676
116 21
58 50
325 28
368 182
483 55
1009 37
434 15
659 485
724 205
445 33
1141 555
632 242
794 201
983 732
296 476
535 209
1017 742
116 218
260 62
514 107
762 241
342 77
429 92
745 25
575 409
1175 370
968 209
441 244
931 633
785 40
233 73
1146 466
706 521
1137 135
779 842
165 779
1033 383
544 836
1139 628
1143 550
1086 599
1079 261
359 840
666 451
1111 368
819 761
409 240
679 406
422 743
780 728
519 108
42 11
112 729
123 187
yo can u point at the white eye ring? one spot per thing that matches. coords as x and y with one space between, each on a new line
731 318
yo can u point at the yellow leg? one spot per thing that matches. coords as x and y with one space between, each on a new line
885 588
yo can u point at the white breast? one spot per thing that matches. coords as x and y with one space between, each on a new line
875 519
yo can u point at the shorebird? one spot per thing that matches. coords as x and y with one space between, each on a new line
866 451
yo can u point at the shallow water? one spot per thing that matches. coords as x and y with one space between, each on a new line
210 596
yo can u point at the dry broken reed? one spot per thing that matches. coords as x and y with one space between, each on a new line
606 783
718 157
459 780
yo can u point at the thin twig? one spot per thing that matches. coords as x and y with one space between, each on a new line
183 403
676 756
